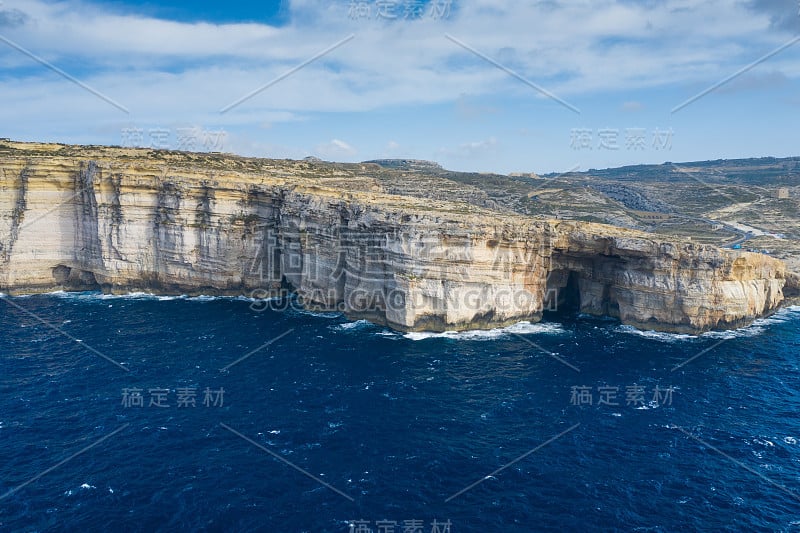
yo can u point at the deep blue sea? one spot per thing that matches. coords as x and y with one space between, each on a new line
142 413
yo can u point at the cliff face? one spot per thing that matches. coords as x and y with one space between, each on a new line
125 220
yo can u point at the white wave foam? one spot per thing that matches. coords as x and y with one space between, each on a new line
319 314
140 295
207 298
101 296
54 293
748 331
204 298
757 327
251 299
358 324
520 328
656 335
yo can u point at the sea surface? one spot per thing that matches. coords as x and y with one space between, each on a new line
144 413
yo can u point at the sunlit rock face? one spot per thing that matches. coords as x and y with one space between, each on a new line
131 220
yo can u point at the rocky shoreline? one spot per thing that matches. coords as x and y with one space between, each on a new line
121 220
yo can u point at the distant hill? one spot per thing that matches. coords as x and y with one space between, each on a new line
762 169
407 164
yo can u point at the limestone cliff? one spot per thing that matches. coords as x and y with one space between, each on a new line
123 220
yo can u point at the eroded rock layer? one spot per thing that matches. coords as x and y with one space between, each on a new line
131 220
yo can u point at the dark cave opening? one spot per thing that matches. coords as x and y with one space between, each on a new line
564 295
569 297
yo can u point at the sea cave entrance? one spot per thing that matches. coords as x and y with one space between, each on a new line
569 296
571 293
563 297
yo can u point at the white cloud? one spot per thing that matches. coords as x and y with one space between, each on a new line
614 46
335 149
394 150
175 72
470 149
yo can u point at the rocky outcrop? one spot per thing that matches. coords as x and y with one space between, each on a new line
792 287
631 198
662 285
128 220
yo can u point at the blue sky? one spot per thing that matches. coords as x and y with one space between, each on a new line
483 85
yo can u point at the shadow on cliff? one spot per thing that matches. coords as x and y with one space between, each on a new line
564 302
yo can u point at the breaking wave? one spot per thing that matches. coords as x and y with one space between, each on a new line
520 328
759 326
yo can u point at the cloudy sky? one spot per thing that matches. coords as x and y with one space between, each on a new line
485 85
